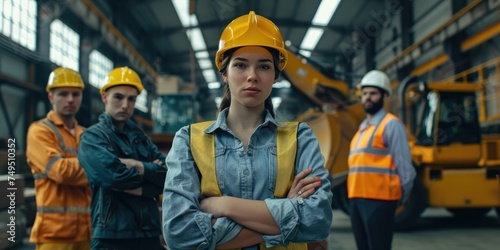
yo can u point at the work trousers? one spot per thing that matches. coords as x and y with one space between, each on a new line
127 244
372 223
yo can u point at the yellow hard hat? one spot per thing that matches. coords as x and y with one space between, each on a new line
64 77
122 76
251 30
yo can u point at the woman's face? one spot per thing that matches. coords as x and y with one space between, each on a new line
250 75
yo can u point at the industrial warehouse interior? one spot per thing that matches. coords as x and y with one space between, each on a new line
442 58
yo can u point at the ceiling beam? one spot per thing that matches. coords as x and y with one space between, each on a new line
282 23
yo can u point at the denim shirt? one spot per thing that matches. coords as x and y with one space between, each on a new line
249 175
116 214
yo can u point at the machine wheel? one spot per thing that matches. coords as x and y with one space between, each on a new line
408 213
469 213
340 199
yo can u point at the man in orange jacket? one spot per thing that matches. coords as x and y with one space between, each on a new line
380 169
62 191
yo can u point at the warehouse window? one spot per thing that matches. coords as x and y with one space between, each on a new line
18 21
142 101
99 68
64 45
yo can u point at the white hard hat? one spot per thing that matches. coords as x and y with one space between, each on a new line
376 78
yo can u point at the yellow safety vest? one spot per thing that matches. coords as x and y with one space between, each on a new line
372 172
203 151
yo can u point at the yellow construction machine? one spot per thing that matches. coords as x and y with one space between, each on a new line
457 165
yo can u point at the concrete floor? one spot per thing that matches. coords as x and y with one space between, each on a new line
436 230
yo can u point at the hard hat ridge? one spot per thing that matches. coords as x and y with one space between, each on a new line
64 77
122 76
251 30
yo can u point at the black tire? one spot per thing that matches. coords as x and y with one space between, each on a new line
408 213
340 199
497 209
469 213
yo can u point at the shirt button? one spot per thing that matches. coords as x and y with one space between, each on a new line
245 172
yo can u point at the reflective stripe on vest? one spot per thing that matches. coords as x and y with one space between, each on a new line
372 173
53 159
203 150
64 210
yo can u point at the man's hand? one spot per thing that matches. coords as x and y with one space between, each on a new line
303 186
135 164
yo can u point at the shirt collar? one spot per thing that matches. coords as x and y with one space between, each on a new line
376 118
221 122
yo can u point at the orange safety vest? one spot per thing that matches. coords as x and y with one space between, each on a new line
62 190
203 151
372 173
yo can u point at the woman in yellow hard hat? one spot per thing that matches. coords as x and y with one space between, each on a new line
246 180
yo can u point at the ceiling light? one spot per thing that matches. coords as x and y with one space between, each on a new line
325 12
201 54
205 63
209 75
182 7
321 18
311 38
214 85
196 39
306 53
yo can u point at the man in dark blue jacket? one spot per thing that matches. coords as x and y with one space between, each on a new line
125 170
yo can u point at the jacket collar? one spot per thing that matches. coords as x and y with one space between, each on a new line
54 118
108 121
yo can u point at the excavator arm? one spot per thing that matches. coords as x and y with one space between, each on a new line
333 118
315 85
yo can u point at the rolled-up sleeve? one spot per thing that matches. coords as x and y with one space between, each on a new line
185 226
396 139
311 220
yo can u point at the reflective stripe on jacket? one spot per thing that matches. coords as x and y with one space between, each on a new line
203 151
372 172
62 190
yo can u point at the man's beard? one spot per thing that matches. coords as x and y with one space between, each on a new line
376 106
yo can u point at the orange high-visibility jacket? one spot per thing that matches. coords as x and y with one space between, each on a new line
372 173
62 191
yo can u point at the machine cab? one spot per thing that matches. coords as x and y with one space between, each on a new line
448 130
449 118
